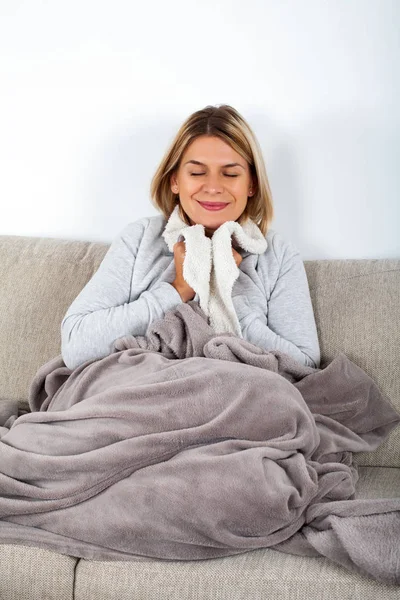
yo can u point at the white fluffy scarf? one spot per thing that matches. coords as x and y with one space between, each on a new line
209 267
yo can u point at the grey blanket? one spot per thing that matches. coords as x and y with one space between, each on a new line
185 444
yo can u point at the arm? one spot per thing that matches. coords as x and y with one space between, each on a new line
102 313
290 326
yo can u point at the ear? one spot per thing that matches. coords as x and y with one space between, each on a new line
172 181
254 186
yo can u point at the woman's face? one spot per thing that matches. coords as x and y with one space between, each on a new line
212 182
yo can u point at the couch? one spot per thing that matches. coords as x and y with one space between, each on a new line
357 309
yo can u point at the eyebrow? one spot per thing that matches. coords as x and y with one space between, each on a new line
197 162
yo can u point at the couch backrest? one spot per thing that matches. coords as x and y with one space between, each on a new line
356 305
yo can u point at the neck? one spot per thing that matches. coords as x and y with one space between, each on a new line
209 232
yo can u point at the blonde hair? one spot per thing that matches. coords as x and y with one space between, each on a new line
225 122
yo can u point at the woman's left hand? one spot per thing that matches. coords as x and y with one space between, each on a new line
238 257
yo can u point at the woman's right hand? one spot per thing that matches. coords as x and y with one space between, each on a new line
181 286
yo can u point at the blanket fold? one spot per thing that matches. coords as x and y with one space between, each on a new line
186 444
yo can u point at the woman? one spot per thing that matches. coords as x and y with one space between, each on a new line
213 175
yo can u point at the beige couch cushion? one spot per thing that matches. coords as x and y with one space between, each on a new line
30 573
254 575
356 305
40 277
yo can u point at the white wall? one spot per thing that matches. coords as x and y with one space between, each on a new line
92 93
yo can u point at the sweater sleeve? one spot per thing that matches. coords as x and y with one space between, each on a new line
102 313
290 326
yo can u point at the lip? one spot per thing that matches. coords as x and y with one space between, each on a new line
213 205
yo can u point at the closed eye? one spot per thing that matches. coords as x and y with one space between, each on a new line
226 175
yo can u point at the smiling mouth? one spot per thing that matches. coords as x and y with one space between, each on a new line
213 204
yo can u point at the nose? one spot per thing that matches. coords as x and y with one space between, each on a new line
213 185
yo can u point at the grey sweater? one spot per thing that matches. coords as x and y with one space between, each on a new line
132 287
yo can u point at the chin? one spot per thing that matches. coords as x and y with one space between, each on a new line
212 221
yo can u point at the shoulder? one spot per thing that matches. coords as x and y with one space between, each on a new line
279 248
139 226
143 229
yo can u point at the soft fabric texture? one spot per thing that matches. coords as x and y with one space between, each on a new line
185 444
132 288
209 266
31 573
